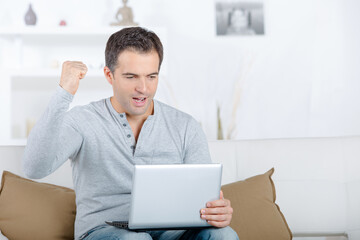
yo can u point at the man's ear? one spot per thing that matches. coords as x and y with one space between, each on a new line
108 74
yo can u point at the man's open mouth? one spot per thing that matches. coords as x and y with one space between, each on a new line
139 99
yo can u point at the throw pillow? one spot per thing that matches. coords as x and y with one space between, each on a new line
33 210
256 216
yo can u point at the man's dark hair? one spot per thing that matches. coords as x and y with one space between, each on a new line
133 38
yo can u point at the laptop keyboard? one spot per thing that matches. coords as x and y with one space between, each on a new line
119 224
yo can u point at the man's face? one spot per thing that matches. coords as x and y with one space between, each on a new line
135 81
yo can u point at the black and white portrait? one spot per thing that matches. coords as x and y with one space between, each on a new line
239 18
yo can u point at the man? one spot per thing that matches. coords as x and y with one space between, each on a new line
105 139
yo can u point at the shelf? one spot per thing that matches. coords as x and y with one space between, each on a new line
46 79
36 31
14 142
48 72
49 79
66 36
66 31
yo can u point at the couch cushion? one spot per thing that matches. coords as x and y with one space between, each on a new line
32 210
256 216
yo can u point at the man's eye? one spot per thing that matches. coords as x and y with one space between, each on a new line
153 76
130 77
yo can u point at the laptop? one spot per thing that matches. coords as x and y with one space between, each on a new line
169 197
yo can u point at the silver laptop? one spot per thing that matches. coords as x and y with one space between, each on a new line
171 196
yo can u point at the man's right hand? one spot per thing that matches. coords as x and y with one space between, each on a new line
72 72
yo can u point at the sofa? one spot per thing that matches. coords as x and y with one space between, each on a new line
316 179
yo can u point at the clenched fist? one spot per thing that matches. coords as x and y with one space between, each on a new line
72 72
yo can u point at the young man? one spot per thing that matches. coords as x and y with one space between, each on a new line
105 139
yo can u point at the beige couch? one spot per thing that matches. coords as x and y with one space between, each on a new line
316 179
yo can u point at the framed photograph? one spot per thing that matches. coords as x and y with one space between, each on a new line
239 17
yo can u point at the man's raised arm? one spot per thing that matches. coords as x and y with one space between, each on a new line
55 137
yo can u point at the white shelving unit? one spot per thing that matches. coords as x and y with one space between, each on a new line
30 68
59 31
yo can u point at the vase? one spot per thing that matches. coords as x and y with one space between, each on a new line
30 16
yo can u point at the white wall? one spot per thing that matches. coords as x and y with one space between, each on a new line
298 80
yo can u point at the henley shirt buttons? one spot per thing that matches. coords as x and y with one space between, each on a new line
124 124
121 115
128 135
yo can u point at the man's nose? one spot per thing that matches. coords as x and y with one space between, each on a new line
141 85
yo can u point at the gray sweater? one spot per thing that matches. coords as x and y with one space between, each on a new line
102 149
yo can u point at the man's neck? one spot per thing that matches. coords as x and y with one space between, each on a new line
140 119
136 121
